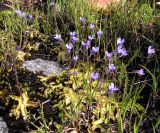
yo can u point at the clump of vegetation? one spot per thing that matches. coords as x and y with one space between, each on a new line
111 61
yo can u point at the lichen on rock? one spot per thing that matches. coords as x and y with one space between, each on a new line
47 68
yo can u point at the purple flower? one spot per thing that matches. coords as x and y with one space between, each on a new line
17 12
150 51
92 26
86 45
112 88
140 72
69 47
94 50
30 17
124 52
83 43
99 33
72 33
75 58
94 75
90 38
111 67
83 20
120 42
58 38
121 51
52 5
109 55
74 39
23 14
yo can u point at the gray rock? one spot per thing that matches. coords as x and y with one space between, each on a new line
47 68
3 126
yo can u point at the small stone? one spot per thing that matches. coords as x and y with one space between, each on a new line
47 68
3 126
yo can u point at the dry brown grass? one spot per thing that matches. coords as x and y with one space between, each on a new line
101 3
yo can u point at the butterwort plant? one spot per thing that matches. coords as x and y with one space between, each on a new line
23 15
30 17
74 39
69 47
51 5
140 72
112 88
99 34
120 49
91 37
94 50
72 34
151 51
57 38
86 45
111 67
18 12
120 42
92 26
94 75
75 58
83 20
109 55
